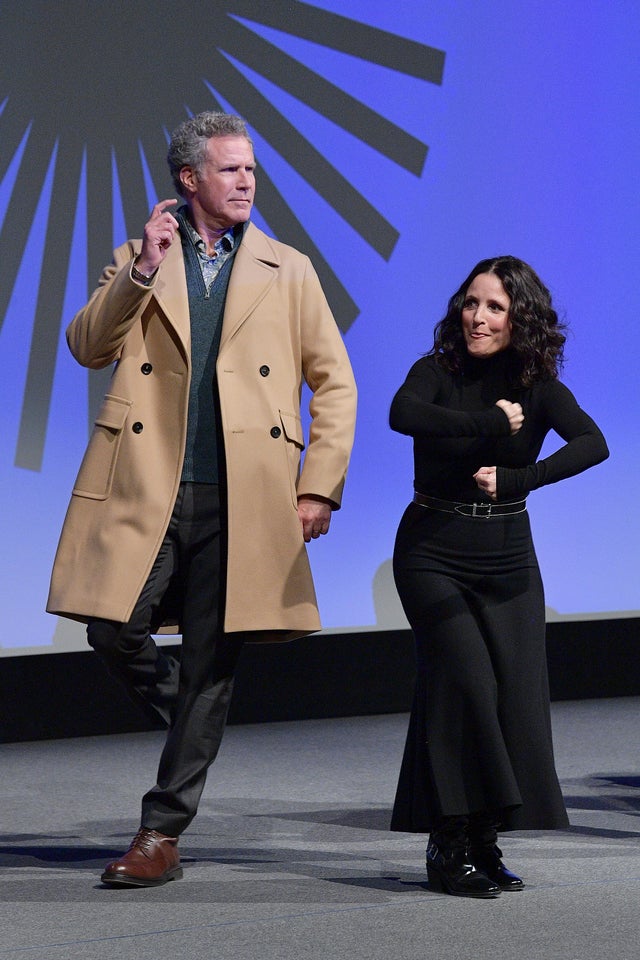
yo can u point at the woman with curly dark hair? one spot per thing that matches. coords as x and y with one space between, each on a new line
479 754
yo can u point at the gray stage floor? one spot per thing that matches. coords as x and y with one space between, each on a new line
290 856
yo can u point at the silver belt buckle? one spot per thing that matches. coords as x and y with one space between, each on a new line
481 510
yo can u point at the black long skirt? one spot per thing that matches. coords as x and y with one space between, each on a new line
479 737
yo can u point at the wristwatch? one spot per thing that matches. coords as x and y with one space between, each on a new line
140 277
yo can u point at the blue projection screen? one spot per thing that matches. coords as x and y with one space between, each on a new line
397 144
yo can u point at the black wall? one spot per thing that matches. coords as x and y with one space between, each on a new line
70 694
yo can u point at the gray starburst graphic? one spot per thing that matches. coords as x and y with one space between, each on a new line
89 94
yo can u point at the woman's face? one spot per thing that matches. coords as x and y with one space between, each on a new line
485 316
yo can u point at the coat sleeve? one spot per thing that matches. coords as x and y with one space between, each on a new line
97 332
327 371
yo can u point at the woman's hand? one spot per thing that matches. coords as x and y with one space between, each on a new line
514 414
486 477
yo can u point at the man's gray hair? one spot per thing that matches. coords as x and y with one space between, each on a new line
188 146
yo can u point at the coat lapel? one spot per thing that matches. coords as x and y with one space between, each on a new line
171 293
254 271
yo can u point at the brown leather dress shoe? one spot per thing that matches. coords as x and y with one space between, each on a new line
150 861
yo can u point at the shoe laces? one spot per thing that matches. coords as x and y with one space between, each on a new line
143 839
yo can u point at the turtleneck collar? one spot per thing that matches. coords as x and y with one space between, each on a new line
503 364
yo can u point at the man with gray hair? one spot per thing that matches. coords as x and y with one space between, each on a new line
192 505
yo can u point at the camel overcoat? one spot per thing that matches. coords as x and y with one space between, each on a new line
277 332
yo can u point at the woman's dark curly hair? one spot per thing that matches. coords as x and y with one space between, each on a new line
537 340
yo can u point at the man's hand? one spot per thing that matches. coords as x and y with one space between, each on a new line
315 517
159 233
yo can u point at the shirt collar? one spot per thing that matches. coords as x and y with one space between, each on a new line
225 244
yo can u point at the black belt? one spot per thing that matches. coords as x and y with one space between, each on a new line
478 510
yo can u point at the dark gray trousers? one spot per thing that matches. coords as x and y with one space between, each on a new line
192 695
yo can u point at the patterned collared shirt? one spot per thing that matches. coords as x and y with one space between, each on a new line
210 265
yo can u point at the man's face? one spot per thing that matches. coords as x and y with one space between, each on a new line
222 193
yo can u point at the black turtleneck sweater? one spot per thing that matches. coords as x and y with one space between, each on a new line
457 428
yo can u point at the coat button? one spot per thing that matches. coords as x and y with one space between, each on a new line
275 432
264 370
137 427
146 369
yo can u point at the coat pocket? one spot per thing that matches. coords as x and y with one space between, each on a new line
292 430
95 477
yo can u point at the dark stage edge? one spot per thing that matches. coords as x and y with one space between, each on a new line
52 696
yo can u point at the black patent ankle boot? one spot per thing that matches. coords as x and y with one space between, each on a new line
449 867
488 859
486 855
